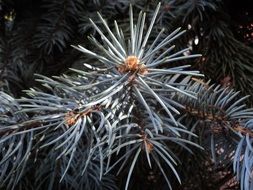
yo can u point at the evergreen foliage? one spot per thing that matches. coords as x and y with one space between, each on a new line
132 112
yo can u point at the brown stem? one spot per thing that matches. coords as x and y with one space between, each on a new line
212 117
